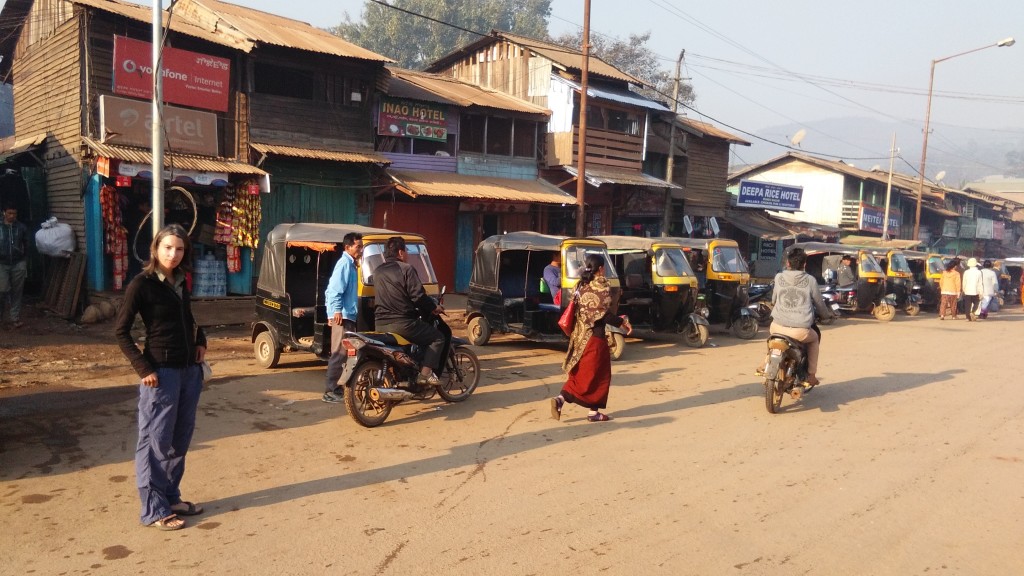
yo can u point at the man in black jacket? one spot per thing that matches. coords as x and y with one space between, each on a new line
400 304
13 269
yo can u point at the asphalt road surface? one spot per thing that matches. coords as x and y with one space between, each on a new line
908 460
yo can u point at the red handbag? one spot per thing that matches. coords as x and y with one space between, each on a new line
568 319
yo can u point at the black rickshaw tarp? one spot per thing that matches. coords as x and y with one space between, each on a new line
873 242
275 257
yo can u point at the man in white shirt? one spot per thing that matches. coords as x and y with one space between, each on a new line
973 289
989 287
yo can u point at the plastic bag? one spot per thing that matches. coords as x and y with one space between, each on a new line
55 239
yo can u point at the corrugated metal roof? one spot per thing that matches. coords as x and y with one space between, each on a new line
183 161
178 24
448 185
603 175
447 90
569 58
335 155
622 96
704 128
256 27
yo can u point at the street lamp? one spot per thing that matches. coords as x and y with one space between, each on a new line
927 120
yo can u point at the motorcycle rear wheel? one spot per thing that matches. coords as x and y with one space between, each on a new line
363 409
772 394
912 309
461 376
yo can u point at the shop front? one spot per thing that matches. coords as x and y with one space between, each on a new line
217 201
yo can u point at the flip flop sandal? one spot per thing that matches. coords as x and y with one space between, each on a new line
599 417
168 524
190 509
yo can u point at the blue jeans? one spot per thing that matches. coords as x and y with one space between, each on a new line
167 418
12 282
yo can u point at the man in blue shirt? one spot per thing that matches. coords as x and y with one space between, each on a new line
553 278
342 307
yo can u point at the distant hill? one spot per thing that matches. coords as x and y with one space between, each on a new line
966 154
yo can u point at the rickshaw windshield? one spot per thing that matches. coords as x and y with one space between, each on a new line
671 262
869 264
373 256
727 259
935 266
575 256
898 263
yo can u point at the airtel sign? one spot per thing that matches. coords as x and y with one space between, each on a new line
190 78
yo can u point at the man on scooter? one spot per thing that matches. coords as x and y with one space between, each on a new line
400 304
795 298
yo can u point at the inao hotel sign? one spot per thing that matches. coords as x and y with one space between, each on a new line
190 78
769 196
130 123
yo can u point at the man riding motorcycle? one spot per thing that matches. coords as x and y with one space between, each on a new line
400 304
795 298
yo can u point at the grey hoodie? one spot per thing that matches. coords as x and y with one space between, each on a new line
795 297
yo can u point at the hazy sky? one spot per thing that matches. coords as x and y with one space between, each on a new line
756 64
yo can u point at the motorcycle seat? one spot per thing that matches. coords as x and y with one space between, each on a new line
389 338
781 341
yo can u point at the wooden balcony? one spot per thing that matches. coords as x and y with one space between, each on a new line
604 148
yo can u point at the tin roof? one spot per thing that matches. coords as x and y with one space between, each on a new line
448 185
145 14
616 94
447 90
596 176
183 161
254 27
703 128
336 155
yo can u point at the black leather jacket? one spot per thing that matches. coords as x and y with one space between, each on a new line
13 241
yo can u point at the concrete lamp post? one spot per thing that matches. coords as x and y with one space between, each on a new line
927 120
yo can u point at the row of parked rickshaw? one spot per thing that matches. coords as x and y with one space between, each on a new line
665 284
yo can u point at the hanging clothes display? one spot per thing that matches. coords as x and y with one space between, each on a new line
238 221
115 236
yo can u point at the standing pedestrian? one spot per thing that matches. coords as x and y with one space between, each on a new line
989 288
13 268
949 289
972 287
342 308
171 372
588 362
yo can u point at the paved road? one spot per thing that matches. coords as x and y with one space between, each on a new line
907 460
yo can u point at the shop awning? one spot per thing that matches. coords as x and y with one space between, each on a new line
757 224
20 146
812 229
333 154
182 161
856 240
448 185
942 211
598 176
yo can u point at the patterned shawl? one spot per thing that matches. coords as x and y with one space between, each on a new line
593 302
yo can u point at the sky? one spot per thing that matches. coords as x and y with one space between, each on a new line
756 65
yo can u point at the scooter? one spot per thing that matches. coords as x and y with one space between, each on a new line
382 369
760 302
785 371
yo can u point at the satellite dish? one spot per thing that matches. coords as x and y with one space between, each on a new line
714 226
798 137
940 176
876 168
687 224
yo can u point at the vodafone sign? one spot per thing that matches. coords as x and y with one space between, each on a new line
190 78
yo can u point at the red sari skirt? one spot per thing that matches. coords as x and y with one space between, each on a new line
591 377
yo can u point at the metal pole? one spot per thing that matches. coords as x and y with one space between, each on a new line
888 191
924 154
157 112
581 163
670 168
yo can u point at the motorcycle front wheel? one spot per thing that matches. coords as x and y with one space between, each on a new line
745 327
365 410
461 376
695 335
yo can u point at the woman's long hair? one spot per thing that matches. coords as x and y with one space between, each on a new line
591 264
170 230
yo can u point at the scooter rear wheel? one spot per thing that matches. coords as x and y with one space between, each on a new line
695 335
363 409
912 309
745 327
461 376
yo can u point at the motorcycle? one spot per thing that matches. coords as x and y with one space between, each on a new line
785 371
382 368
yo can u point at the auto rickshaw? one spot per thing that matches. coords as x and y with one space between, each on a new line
297 263
1015 269
899 279
508 295
722 276
659 289
927 271
868 295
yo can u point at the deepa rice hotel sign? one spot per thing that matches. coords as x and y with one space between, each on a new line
769 196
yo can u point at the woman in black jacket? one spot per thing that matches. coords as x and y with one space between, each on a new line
171 372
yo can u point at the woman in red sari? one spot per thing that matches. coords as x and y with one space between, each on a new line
588 362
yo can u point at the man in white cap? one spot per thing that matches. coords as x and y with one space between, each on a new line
973 288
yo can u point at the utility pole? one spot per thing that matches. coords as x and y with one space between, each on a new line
157 111
670 169
888 191
581 162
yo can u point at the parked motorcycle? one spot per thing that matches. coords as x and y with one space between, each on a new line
785 371
382 368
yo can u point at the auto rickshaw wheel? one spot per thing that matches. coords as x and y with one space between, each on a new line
459 381
616 344
360 406
696 335
745 327
265 350
912 309
479 331
884 312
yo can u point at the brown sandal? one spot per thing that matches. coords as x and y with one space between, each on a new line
169 523
189 509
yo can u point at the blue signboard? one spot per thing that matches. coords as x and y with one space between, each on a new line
770 196
871 220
